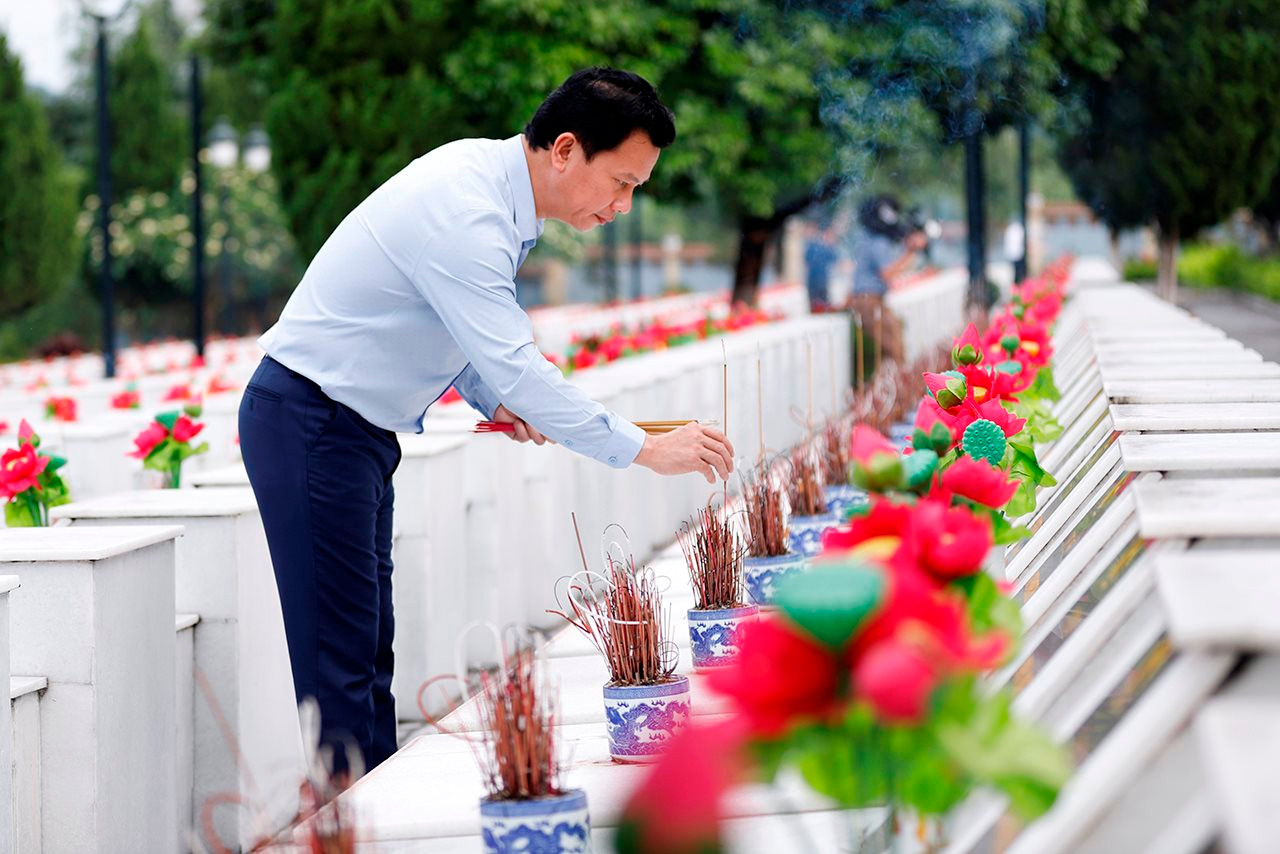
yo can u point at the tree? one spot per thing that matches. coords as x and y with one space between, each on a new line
360 89
1187 127
37 207
148 135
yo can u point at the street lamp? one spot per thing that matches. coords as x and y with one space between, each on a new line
257 150
104 12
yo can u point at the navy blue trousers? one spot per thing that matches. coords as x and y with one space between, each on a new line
322 478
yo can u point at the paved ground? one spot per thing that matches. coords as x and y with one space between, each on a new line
1252 320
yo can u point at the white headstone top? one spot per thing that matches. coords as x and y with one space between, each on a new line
20 686
184 621
1194 391
73 543
8 582
1255 452
1209 507
232 475
1222 598
1239 738
162 504
1148 417
102 425
1199 371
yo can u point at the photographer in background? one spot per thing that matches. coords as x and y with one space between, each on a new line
889 245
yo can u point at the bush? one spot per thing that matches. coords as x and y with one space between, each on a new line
1137 270
1207 266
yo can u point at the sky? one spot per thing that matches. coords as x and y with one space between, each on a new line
43 33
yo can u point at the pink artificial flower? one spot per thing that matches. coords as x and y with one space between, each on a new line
146 441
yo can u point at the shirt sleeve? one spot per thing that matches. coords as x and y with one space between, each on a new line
467 274
475 392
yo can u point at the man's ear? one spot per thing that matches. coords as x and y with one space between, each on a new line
562 150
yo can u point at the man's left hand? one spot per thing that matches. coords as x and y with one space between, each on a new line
524 431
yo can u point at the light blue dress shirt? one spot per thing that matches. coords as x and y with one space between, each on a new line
415 291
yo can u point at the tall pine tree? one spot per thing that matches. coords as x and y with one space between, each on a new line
37 203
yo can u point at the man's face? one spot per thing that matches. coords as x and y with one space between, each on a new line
593 192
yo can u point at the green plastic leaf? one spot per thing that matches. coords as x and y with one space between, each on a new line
17 515
55 462
1004 752
831 601
168 419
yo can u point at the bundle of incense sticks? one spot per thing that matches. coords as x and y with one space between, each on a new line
518 713
652 427
714 552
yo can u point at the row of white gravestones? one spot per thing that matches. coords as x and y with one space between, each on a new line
99 440
1124 648
483 524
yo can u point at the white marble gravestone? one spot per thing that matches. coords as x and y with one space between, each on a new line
8 830
223 573
94 615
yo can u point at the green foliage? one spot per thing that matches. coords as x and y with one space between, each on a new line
1137 270
1209 266
37 207
1140 152
152 246
148 135
968 739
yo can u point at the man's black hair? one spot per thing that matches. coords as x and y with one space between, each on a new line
601 107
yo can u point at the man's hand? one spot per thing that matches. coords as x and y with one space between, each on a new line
693 447
524 432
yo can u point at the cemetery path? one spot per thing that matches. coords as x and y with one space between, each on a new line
1252 320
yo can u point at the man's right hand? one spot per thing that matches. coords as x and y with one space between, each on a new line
693 447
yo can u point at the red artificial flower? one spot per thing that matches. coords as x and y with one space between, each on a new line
450 396
197 361
994 411
583 359
4 426
217 385
876 533
60 408
184 429
678 806
146 441
896 678
866 443
20 470
947 542
779 676
26 433
127 399
987 383
182 391
967 349
979 481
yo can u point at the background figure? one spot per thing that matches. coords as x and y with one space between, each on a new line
820 256
888 246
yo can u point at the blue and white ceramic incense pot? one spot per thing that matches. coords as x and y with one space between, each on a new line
806 532
641 719
556 823
762 574
841 496
713 634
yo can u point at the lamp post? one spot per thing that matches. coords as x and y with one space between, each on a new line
224 151
104 12
197 208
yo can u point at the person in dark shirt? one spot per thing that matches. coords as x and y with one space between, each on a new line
820 256
887 248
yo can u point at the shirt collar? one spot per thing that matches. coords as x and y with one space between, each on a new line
528 225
